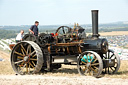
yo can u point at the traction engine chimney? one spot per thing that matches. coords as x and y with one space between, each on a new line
95 24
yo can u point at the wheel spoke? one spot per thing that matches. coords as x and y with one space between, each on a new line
115 62
21 64
114 67
31 65
23 48
105 57
33 59
94 69
29 68
91 68
32 53
108 55
94 60
18 61
86 71
26 68
108 69
111 68
28 49
18 53
22 68
22 52
85 68
84 59
20 57
84 63
111 56
87 58
63 30
95 64
89 71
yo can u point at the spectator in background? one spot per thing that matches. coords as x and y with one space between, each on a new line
19 36
34 28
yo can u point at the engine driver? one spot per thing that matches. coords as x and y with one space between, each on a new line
34 28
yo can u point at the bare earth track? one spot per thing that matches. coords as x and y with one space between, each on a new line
60 80
67 75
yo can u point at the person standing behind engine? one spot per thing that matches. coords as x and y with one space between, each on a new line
19 36
34 28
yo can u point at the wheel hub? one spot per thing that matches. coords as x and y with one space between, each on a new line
26 58
88 64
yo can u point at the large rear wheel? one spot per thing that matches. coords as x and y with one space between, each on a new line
26 58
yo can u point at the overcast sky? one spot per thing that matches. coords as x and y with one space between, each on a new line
60 12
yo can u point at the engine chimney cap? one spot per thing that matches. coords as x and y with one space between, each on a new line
94 10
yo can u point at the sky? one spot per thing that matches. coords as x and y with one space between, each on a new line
60 12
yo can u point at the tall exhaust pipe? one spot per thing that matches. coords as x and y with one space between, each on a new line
95 24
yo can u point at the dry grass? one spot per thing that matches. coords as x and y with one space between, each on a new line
66 70
5 68
112 33
123 71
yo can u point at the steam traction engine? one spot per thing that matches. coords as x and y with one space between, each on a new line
66 46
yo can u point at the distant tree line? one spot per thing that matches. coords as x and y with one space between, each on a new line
6 34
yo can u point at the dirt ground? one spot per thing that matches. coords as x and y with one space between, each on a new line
67 75
4 55
59 80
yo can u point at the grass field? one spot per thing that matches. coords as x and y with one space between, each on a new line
112 33
66 70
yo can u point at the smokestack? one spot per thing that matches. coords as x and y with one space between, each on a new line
95 23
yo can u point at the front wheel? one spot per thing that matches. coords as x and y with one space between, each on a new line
89 64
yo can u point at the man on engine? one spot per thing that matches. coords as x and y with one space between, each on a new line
19 36
34 28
